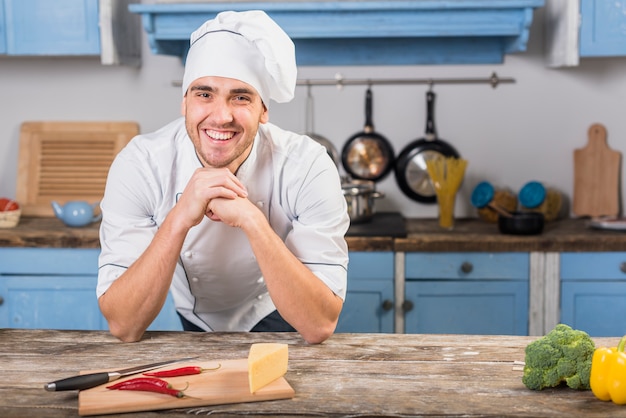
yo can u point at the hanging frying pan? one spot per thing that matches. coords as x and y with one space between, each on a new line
410 167
367 155
310 132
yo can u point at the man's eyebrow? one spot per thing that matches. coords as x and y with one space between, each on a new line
202 88
242 90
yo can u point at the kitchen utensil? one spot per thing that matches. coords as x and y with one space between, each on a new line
446 175
367 155
360 196
596 176
310 132
521 223
483 196
228 384
86 381
66 161
410 167
76 213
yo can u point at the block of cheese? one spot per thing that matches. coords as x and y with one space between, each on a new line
266 363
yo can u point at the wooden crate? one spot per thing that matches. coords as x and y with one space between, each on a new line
64 161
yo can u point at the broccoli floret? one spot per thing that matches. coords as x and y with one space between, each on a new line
561 356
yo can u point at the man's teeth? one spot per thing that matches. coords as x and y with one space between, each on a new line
220 135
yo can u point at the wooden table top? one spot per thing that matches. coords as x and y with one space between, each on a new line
468 235
392 375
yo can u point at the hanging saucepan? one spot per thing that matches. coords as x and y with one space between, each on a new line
367 155
410 167
330 148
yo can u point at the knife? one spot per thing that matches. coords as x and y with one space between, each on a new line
86 381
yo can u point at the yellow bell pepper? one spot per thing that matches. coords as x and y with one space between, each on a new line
608 373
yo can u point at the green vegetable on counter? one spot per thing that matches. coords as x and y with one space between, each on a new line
561 356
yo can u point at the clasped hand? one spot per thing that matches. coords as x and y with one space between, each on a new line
216 193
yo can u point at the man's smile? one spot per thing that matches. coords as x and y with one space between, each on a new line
218 135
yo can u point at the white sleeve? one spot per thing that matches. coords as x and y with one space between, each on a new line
318 234
128 226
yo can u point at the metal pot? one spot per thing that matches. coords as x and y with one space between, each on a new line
360 195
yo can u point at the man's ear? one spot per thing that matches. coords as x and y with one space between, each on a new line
265 116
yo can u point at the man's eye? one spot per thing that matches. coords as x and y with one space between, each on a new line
242 99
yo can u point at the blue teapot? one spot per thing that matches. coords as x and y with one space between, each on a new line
76 212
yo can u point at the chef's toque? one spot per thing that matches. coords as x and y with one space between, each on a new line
248 46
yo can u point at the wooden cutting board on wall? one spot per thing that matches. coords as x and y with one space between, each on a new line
596 176
65 161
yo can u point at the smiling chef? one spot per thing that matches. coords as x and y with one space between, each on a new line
242 221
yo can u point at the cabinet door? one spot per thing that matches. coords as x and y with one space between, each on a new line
50 302
467 293
602 26
3 38
470 307
369 301
59 27
593 291
55 288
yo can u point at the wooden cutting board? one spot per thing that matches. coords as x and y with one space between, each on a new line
596 176
65 161
228 384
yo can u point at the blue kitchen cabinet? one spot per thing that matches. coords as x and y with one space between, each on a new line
370 298
3 37
54 288
467 293
593 292
602 28
44 27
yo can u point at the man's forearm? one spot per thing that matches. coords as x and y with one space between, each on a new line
137 296
300 296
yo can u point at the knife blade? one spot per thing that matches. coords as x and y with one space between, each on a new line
86 381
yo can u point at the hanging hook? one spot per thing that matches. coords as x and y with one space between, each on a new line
431 83
339 80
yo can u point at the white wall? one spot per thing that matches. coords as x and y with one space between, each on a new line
510 135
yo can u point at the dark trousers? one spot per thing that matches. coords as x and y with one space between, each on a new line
271 323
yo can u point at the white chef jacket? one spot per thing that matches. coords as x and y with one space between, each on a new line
217 283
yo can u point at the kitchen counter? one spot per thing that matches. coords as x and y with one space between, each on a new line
349 375
468 235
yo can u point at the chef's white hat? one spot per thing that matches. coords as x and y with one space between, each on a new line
247 46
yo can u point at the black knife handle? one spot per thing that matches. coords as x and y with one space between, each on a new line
85 381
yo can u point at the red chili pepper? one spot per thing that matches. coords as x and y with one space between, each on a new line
149 387
145 380
182 371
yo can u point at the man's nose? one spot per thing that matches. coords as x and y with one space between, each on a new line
222 114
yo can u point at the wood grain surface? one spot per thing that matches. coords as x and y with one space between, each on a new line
470 235
356 375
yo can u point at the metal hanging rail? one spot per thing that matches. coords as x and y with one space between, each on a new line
339 81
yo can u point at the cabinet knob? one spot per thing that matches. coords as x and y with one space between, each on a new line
387 305
407 306
467 267
622 267
1 300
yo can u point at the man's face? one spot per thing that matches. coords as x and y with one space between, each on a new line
222 116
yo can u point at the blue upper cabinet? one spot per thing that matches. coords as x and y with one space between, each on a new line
3 37
365 32
602 28
44 27
584 28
